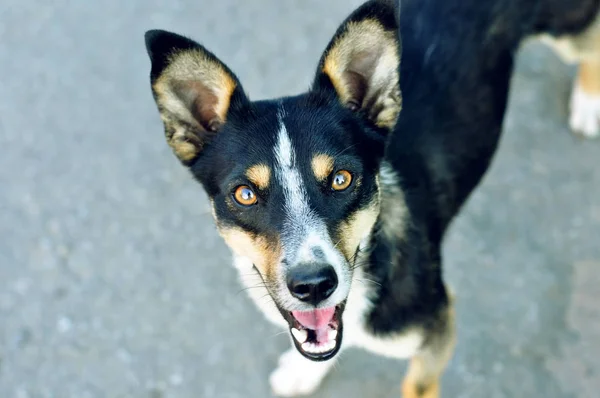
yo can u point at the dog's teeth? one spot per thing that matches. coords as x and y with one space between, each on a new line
332 334
300 335
329 346
308 347
313 348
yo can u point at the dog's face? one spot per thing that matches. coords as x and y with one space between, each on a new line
292 182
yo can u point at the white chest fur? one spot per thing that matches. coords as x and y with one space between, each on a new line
400 346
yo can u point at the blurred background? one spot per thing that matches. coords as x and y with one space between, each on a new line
114 283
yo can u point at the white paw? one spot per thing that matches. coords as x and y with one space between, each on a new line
296 375
585 113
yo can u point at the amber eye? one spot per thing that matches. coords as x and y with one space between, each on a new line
341 180
244 195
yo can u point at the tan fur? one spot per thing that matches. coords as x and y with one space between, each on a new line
322 166
364 38
265 253
589 70
191 84
411 390
259 175
394 213
583 48
356 227
575 48
423 377
588 77
183 141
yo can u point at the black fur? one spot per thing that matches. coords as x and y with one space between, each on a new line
457 61
249 137
455 76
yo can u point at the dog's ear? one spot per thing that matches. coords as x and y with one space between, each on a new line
194 91
361 63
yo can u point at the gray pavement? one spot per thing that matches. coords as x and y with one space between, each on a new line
114 283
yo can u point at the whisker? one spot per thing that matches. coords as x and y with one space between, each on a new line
344 150
253 273
363 280
336 362
279 333
372 281
268 297
357 264
355 255
251 287
338 242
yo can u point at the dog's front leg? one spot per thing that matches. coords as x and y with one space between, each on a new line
427 366
585 99
296 375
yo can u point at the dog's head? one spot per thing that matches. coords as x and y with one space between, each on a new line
292 181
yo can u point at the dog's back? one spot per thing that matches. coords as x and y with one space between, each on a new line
457 62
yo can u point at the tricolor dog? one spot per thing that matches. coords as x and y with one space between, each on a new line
335 202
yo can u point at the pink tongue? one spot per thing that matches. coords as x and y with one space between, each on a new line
322 335
316 319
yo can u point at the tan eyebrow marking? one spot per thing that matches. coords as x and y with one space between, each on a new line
322 166
259 175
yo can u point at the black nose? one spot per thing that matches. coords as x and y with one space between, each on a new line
312 282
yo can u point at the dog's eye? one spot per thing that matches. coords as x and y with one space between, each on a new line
341 180
244 195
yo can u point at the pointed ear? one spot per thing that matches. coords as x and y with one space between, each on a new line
362 63
194 92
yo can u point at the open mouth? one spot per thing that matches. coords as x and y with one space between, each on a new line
317 334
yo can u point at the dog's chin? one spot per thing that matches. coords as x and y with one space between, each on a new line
317 334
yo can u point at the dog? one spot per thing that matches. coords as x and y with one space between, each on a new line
582 48
335 202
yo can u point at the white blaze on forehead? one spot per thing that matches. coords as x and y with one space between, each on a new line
303 230
298 213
